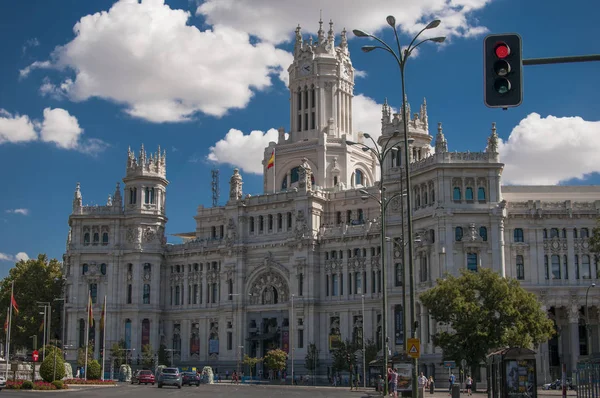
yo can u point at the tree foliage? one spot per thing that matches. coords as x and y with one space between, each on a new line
311 361
163 357
81 355
344 356
147 356
481 311
36 280
251 362
276 359
47 371
117 354
94 370
370 351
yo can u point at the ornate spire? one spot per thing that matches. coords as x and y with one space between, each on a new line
116 200
407 115
344 42
298 44
330 36
385 111
321 36
77 199
441 146
235 185
492 146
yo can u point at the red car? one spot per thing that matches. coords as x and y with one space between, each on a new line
143 376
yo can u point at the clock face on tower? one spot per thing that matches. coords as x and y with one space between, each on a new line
305 68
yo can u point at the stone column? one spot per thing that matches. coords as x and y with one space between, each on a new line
573 339
185 339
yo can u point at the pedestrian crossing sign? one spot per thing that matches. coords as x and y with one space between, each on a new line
414 348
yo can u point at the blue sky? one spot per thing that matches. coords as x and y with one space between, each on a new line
80 81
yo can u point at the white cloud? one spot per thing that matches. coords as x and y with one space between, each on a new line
61 128
366 116
145 55
271 21
17 257
550 150
24 212
16 128
58 127
243 151
30 44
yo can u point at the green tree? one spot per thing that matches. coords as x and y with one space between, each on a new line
35 280
311 361
276 359
481 311
147 356
54 359
94 370
370 351
163 355
344 356
117 354
81 355
251 362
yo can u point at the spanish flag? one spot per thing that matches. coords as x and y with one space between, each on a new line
90 311
14 303
271 160
103 315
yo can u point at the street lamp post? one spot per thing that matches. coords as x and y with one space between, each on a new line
64 320
587 319
401 57
364 352
380 155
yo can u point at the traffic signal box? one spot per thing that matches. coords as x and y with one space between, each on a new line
502 70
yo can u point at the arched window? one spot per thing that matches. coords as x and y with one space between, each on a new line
358 177
145 332
586 272
335 180
289 220
456 194
146 297
279 221
575 232
147 195
86 239
432 196
432 235
152 195
483 233
129 293
425 198
518 235
251 223
177 294
148 268
361 216
585 233
94 292
96 238
284 183
481 193
458 234
104 238
555 266
270 222
261 223
132 196
294 175
103 269
554 233
84 268
469 193
127 333
472 262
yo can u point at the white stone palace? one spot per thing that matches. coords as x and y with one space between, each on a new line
291 266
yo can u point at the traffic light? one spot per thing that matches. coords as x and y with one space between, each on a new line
502 70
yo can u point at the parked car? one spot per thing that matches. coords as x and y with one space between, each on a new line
169 377
190 378
143 376
557 385
2 383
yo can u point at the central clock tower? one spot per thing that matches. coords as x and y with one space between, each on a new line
321 89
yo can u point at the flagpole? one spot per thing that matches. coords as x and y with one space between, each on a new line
7 338
87 336
103 336
274 171
12 295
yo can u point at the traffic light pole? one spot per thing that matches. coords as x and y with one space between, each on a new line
561 60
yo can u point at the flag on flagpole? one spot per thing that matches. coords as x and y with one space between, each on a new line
90 311
271 160
102 315
14 303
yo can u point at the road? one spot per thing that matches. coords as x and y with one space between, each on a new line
231 390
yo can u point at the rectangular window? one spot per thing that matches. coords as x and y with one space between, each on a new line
171 301
334 285
300 284
358 283
289 221
312 120
555 266
306 121
195 298
270 222
327 285
546 267
398 274
189 294
229 341
300 338
94 292
472 262
378 281
146 297
177 294
215 292
520 268
279 221
129 293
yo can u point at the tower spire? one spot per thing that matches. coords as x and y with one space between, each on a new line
492 146
298 44
77 199
441 145
321 37
344 40
330 36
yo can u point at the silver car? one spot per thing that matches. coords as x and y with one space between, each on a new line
170 377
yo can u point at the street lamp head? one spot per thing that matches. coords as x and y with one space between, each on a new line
360 33
433 24
365 148
410 141
593 284
368 49
391 21
364 197
367 135
439 39
350 142
395 133
363 191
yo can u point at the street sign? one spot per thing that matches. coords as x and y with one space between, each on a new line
449 364
414 348
36 356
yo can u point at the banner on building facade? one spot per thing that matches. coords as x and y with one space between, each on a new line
213 346
285 341
399 325
334 341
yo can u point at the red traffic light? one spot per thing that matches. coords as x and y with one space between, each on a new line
502 50
35 356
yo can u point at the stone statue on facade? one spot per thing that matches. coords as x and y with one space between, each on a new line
235 185
305 180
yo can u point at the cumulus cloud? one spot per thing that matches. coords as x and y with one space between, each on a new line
366 116
550 150
16 128
24 212
271 21
21 256
146 56
243 151
57 126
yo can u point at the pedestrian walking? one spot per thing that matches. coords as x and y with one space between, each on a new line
469 384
